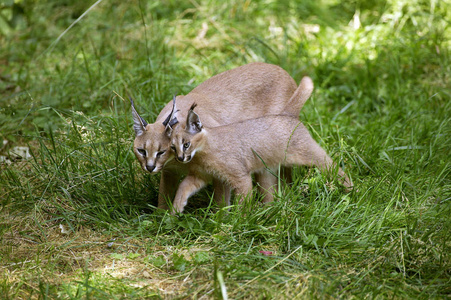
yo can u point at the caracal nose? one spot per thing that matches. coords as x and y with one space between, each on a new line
150 168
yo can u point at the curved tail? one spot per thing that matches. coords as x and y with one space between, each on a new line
301 95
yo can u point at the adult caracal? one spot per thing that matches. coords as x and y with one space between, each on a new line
233 152
249 91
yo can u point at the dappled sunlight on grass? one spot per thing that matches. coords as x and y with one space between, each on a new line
78 218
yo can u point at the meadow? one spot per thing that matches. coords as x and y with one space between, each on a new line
78 217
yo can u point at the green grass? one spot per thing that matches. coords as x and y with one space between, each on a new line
381 106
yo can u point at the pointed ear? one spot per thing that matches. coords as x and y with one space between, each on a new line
193 123
168 131
139 125
171 120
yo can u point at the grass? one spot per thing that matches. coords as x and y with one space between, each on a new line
77 219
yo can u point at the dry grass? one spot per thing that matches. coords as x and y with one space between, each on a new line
59 256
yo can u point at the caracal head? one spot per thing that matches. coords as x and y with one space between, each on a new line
187 140
152 141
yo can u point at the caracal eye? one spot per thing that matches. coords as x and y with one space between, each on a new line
141 151
186 145
159 154
173 147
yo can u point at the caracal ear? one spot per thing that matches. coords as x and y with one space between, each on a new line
171 120
193 123
139 125
168 131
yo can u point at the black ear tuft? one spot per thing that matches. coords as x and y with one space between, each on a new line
171 120
193 106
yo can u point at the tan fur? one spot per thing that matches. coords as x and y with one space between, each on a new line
233 152
249 91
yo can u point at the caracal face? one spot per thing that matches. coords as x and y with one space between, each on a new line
152 141
152 148
187 140
185 144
